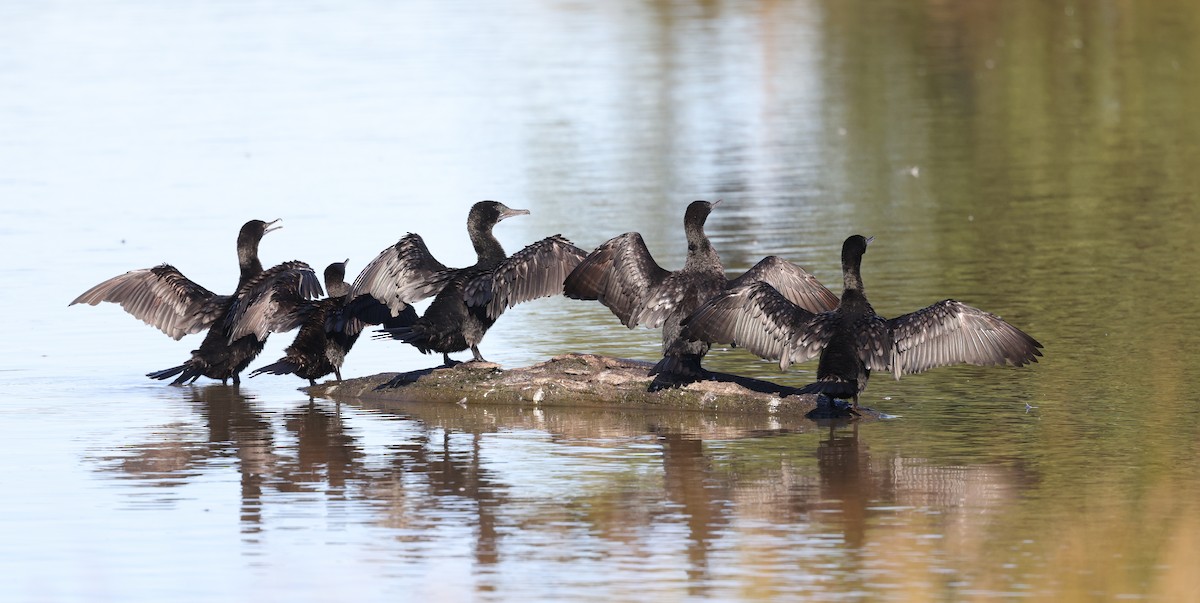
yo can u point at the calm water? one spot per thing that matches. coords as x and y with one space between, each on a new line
1036 159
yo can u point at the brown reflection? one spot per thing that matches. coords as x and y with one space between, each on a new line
324 456
846 480
453 474
689 481
325 452
787 488
235 425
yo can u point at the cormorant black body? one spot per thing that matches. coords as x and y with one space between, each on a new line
852 340
238 324
622 275
467 301
330 329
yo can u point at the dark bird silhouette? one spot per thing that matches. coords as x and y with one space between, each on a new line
852 340
467 301
238 324
331 327
623 276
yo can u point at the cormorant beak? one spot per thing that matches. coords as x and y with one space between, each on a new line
510 212
717 202
869 239
270 226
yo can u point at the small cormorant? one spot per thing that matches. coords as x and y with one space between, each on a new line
331 327
238 324
852 340
622 275
467 300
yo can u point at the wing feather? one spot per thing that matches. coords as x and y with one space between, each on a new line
277 299
794 282
161 297
951 332
401 274
536 271
620 273
764 322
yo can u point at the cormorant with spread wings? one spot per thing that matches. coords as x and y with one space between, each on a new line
622 275
467 301
238 324
852 340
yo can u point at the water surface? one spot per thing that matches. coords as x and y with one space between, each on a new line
1033 159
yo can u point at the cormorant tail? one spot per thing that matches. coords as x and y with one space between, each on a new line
284 366
165 374
833 388
186 371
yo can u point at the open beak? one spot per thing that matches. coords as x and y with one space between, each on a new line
272 225
869 239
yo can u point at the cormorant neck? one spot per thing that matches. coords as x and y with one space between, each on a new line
487 248
248 260
851 273
701 254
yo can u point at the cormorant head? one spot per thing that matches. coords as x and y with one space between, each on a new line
252 232
335 279
487 213
697 213
856 245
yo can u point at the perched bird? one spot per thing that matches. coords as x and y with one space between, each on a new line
238 324
852 340
623 276
467 301
331 327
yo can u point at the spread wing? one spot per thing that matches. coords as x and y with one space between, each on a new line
951 332
795 283
759 318
161 297
400 275
277 299
535 271
620 274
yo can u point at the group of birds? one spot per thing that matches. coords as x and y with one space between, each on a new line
775 310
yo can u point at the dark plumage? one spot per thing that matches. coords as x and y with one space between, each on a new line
331 327
467 300
623 276
238 324
852 340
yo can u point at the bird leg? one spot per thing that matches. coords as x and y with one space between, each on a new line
446 361
475 352
338 374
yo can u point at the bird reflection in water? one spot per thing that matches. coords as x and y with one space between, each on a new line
844 470
326 457
450 465
237 427
705 498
